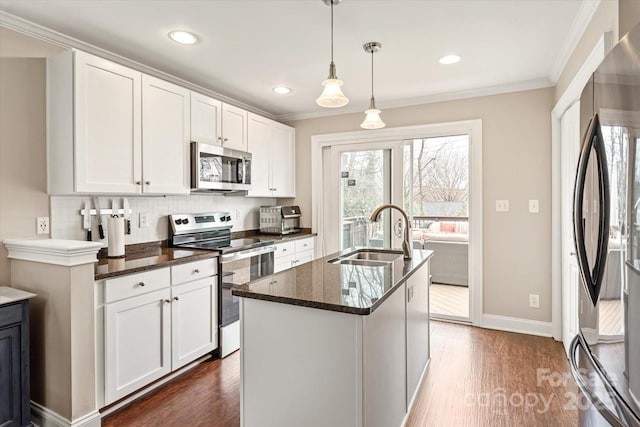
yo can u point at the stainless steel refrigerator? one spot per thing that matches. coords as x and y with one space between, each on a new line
605 355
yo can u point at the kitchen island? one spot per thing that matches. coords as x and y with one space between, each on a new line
338 341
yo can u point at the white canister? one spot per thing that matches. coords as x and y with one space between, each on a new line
115 237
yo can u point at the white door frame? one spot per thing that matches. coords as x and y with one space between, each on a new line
471 127
570 95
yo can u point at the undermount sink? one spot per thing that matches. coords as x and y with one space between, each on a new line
368 257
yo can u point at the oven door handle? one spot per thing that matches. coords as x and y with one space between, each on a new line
248 253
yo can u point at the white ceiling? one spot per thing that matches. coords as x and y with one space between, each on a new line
249 46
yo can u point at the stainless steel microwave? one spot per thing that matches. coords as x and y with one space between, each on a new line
215 168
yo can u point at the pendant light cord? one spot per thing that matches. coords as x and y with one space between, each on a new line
332 31
372 74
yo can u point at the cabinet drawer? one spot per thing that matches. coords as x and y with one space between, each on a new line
284 249
304 244
284 263
136 284
303 257
10 313
194 270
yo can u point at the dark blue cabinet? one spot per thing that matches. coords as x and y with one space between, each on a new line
14 364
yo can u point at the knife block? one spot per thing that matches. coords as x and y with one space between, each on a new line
115 237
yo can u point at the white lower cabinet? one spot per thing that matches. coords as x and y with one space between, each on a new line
156 322
138 342
290 254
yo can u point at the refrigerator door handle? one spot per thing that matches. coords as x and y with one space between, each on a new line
597 403
593 144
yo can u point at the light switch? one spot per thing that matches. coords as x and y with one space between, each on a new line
502 206
534 206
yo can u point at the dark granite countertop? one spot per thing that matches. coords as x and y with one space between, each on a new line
348 288
147 257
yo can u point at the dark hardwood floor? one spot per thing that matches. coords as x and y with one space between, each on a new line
477 377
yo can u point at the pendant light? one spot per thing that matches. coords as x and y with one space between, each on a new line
332 96
372 120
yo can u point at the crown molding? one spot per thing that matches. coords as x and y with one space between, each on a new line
576 31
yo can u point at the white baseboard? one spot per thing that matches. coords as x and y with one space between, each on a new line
516 324
44 417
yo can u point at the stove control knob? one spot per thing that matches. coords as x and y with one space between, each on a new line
227 218
178 221
185 221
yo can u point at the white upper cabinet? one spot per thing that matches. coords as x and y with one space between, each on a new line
234 127
206 119
165 137
100 110
96 112
272 146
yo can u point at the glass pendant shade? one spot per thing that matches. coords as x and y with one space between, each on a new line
372 120
332 96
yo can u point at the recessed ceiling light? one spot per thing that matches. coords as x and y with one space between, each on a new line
449 59
281 90
183 37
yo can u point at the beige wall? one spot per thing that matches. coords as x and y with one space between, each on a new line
605 19
23 178
629 15
516 138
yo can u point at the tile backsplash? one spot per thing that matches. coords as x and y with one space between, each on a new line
66 221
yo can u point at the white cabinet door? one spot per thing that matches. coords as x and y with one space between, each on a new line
137 342
206 119
259 134
107 126
234 127
417 298
165 133
283 160
194 320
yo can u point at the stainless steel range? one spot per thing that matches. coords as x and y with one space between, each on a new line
241 260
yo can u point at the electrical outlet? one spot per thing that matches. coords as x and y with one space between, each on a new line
42 225
534 301
502 206
534 206
143 220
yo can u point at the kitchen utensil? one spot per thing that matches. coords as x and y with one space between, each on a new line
114 208
127 215
86 220
96 203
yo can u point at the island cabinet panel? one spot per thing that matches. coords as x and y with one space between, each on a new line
384 364
417 329
299 366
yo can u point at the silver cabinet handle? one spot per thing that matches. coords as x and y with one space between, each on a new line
167 301
176 298
219 138
147 182
226 139
284 250
141 284
573 253
138 182
196 271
